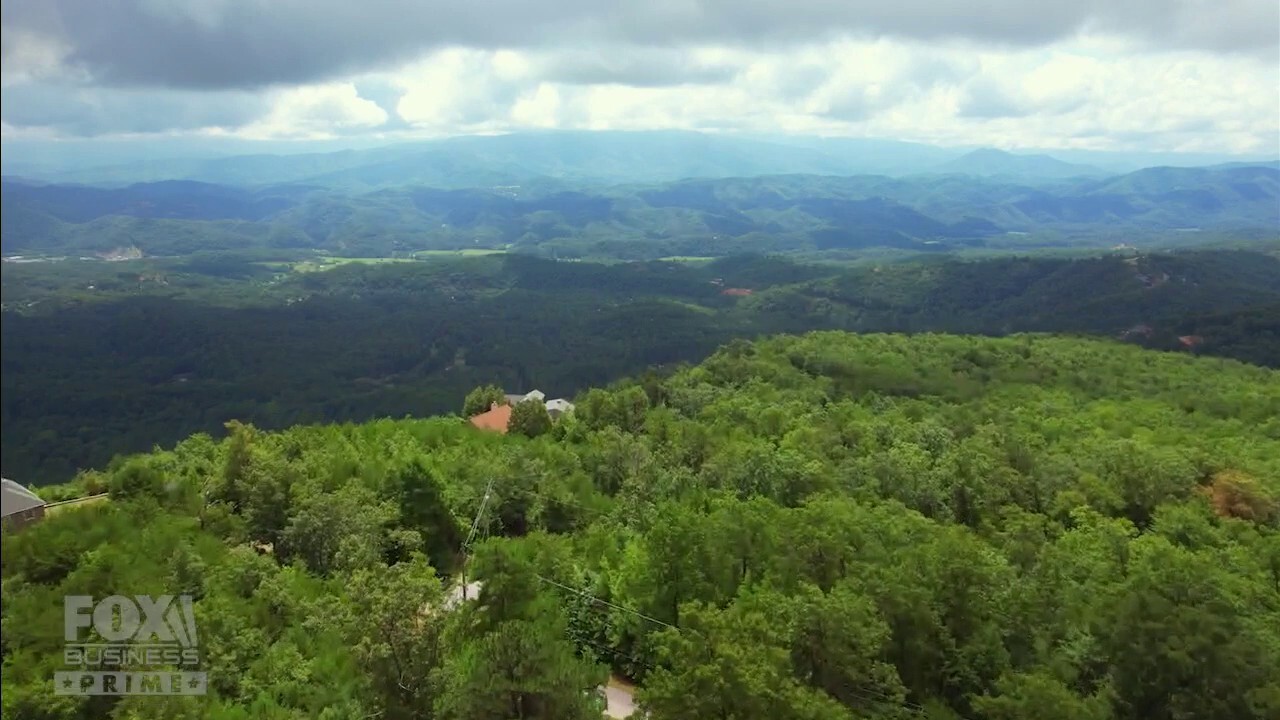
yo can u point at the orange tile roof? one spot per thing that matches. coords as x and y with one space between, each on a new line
495 420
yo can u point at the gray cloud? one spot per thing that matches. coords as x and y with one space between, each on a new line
87 111
206 44
633 66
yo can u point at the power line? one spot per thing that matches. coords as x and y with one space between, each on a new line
606 603
475 523
616 653
471 536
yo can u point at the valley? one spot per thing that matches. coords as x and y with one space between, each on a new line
195 341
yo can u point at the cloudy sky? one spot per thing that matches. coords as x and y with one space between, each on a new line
1168 75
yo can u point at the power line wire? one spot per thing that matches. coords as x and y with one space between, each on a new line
606 603
475 523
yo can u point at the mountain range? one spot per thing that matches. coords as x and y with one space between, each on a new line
641 220
565 158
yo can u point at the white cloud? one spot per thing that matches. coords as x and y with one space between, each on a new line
461 90
539 109
1096 92
316 112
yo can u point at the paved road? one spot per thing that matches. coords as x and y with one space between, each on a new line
458 593
620 698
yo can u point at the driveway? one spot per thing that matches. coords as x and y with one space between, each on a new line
620 698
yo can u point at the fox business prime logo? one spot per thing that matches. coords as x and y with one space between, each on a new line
157 635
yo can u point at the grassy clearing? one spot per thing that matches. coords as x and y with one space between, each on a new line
694 307
329 263
688 258
466 252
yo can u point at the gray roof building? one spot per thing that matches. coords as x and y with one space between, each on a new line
16 499
18 505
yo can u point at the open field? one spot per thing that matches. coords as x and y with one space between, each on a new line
329 263
688 258
465 252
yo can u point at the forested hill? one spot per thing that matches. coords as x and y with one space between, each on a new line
103 358
823 527
927 213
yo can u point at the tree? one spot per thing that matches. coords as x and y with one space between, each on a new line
393 627
529 418
1180 647
524 669
138 478
508 655
345 529
423 508
730 664
837 642
481 399
1039 695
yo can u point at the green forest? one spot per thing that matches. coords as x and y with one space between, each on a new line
102 358
820 527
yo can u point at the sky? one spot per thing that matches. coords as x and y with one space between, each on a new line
1138 75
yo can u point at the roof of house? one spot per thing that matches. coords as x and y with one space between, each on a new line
559 404
517 398
15 499
495 419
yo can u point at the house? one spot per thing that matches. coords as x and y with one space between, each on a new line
19 506
1143 330
495 419
558 407
531 395
498 415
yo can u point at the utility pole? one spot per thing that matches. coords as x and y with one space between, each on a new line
471 536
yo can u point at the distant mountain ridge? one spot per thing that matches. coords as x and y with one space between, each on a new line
690 217
989 162
567 160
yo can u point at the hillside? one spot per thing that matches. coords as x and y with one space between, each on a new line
828 527
196 341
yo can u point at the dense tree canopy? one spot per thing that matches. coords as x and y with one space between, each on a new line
482 399
529 418
824 526
108 358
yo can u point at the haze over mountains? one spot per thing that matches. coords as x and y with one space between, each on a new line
644 195
584 158
632 195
